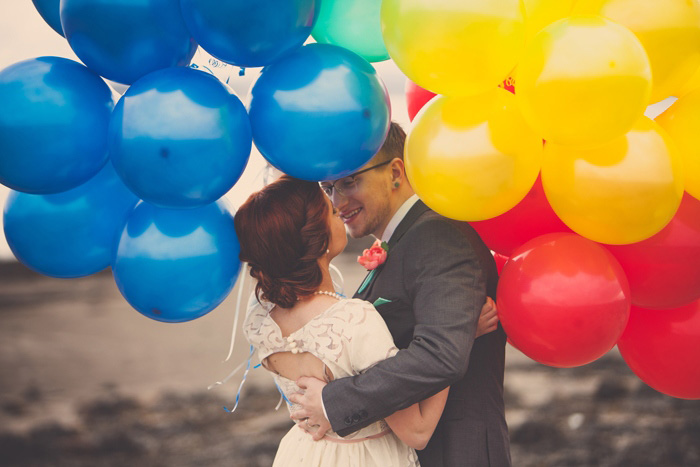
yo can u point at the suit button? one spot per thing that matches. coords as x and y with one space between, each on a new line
348 421
363 414
356 418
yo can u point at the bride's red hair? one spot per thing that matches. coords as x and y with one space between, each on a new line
283 230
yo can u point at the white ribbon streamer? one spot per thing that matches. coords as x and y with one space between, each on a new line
230 375
338 284
241 285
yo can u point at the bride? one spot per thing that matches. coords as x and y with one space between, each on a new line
289 232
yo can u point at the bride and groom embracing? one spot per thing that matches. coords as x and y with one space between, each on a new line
415 360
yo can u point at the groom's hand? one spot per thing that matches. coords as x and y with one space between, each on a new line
311 413
488 320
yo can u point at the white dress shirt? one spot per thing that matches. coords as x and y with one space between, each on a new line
398 217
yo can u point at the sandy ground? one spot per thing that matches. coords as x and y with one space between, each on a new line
86 380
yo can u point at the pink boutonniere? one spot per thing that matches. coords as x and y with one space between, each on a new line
374 256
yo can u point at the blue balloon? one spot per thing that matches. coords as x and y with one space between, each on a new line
70 234
250 33
48 9
177 265
124 40
179 138
319 113
54 116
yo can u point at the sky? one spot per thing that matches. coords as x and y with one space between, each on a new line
25 35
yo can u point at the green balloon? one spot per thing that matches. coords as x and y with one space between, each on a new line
353 24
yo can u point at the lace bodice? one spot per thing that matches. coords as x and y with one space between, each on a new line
348 337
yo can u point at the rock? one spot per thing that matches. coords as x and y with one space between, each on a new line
537 434
15 407
107 408
610 388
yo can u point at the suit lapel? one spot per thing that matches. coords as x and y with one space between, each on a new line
411 216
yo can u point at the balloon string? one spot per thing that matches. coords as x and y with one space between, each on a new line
241 286
283 398
240 387
194 66
340 283
241 282
266 174
261 174
230 375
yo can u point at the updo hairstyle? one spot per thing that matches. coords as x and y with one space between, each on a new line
283 230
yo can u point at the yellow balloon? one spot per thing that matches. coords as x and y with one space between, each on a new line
541 13
691 85
583 81
669 31
618 193
454 47
472 158
682 121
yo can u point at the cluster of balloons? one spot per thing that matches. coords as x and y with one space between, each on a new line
528 123
137 184
592 209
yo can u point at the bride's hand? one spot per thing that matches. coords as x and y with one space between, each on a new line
488 319
311 415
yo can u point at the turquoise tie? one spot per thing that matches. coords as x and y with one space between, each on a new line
367 280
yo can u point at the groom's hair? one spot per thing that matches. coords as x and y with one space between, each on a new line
283 230
393 145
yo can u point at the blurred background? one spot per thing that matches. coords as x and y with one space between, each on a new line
86 380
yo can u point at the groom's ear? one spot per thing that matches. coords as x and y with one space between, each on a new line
398 170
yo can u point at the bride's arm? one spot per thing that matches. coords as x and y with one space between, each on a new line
415 425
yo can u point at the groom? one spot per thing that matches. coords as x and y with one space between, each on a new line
435 270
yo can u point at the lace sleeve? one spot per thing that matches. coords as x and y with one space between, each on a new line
371 341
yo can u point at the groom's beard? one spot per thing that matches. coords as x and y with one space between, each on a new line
370 223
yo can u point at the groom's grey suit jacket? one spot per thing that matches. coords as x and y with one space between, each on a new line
436 276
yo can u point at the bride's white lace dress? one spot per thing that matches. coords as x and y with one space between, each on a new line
348 338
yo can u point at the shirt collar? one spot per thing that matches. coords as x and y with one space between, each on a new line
398 217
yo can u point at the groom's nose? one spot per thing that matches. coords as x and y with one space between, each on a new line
338 199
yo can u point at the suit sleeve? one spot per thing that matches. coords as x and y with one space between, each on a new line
446 286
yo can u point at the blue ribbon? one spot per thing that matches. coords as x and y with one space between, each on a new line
240 387
283 396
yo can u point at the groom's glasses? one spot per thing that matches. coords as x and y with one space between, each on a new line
347 186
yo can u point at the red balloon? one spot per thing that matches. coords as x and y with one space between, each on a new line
417 97
563 300
662 347
664 270
530 218
500 261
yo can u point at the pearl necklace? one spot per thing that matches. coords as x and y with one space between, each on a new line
337 296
